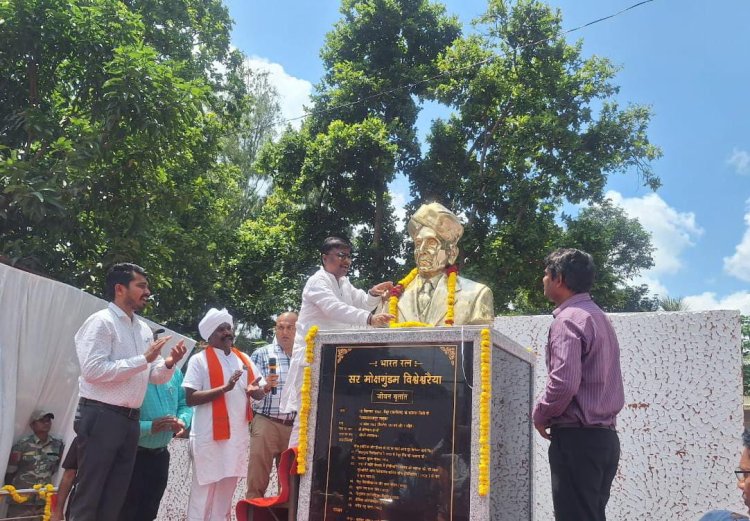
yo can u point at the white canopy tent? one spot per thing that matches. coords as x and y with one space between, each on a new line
38 364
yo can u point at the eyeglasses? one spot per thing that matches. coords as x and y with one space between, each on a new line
342 255
742 475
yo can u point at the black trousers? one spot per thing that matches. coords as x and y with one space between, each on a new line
147 485
107 440
583 463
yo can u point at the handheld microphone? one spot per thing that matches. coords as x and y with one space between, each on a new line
272 370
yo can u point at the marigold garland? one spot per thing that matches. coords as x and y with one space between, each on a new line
484 413
18 498
46 492
304 410
398 290
410 324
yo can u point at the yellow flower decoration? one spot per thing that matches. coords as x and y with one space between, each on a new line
409 324
398 290
304 410
449 315
484 412
18 498
46 492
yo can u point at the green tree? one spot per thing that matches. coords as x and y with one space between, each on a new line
110 127
257 127
333 173
377 48
535 125
621 249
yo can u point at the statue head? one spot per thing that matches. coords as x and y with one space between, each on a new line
435 231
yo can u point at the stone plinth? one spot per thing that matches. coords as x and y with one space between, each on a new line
394 427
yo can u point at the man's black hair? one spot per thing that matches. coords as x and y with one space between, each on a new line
332 243
121 273
575 266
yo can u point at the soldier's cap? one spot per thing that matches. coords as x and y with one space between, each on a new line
41 413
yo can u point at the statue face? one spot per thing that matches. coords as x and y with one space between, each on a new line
430 253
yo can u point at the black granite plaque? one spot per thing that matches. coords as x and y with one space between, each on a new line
393 433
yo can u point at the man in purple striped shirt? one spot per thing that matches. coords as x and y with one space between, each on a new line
578 409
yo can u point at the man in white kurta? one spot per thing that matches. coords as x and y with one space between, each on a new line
218 464
329 301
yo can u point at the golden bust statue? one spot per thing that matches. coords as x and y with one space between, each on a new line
436 232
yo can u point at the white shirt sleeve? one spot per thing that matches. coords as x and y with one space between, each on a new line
360 298
196 377
332 307
94 342
160 373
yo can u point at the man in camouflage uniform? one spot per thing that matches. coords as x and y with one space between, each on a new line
34 459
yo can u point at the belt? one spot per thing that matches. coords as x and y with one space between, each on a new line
131 414
155 451
579 425
288 423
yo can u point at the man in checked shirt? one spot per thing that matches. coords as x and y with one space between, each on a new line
578 409
270 429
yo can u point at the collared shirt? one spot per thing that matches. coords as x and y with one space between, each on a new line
33 461
111 349
163 400
329 303
584 380
270 404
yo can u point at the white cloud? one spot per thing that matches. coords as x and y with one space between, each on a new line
655 286
672 232
738 265
740 161
294 92
708 300
398 200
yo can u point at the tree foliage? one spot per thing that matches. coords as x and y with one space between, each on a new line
334 171
129 131
111 123
535 125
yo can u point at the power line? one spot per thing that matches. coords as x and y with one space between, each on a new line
456 70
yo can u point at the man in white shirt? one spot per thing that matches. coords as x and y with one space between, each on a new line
118 359
329 301
218 386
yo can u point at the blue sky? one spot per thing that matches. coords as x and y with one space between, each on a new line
687 60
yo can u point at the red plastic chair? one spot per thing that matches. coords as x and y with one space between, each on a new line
283 506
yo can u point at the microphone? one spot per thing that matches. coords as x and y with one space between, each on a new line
272 370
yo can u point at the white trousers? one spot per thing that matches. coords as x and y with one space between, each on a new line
211 502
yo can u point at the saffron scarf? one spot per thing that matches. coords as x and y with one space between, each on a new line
219 412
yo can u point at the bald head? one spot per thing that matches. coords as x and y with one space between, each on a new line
286 325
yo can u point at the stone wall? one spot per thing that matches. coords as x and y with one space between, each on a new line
681 426
680 429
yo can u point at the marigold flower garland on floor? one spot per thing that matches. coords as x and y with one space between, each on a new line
484 414
398 290
304 410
